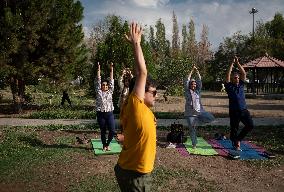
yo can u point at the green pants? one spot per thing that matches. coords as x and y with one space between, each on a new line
132 181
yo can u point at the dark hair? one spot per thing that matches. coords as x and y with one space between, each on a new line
236 73
131 84
105 80
150 82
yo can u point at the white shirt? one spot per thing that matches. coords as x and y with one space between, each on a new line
104 98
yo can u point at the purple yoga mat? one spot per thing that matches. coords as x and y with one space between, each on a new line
182 150
219 148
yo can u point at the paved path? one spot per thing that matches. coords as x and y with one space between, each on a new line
161 122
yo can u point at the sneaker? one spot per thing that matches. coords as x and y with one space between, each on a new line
234 155
193 146
171 145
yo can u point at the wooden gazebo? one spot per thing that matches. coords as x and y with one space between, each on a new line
266 75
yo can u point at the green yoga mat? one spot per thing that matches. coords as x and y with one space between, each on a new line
98 147
202 148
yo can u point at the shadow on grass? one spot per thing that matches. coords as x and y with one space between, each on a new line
35 142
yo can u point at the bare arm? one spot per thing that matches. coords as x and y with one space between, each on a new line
111 71
242 70
186 82
134 37
98 80
99 71
228 77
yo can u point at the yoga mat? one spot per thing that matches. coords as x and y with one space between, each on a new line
98 147
202 148
225 148
182 150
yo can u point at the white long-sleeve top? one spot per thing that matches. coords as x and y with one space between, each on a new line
189 105
104 98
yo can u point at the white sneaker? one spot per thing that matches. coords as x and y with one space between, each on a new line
171 145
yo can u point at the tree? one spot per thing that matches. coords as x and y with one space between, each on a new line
184 40
39 38
112 47
175 37
276 32
231 46
204 52
162 43
192 49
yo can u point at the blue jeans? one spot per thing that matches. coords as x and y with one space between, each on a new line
192 121
106 121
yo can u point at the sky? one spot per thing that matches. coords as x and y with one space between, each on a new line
223 17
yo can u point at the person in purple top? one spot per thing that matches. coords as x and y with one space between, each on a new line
237 105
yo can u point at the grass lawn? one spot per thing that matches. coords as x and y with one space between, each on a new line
48 158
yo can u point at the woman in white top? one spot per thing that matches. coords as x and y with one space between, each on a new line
104 107
124 82
194 112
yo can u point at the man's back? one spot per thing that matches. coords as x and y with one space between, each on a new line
139 129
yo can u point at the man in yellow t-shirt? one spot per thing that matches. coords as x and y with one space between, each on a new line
136 160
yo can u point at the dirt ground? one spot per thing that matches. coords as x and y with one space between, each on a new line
229 175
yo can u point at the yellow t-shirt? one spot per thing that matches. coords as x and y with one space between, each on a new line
139 130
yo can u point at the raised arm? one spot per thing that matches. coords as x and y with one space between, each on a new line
186 83
197 72
198 82
111 83
228 77
134 37
242 70
98 80
190 74
111 71
99 71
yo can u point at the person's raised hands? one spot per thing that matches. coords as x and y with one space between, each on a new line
134 35
236 59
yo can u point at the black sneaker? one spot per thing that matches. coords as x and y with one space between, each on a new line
234 154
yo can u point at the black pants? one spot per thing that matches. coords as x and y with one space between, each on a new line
235 118
65 97
106 121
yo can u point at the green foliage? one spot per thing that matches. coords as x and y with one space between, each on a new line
172 73
268 38
20 149
40 38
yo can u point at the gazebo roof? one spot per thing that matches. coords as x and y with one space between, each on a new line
264 62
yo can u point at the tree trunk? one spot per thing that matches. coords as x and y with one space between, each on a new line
18 91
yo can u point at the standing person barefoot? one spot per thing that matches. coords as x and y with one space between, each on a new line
136 160
237 105
194 112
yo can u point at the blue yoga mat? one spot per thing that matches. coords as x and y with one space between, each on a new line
247 152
